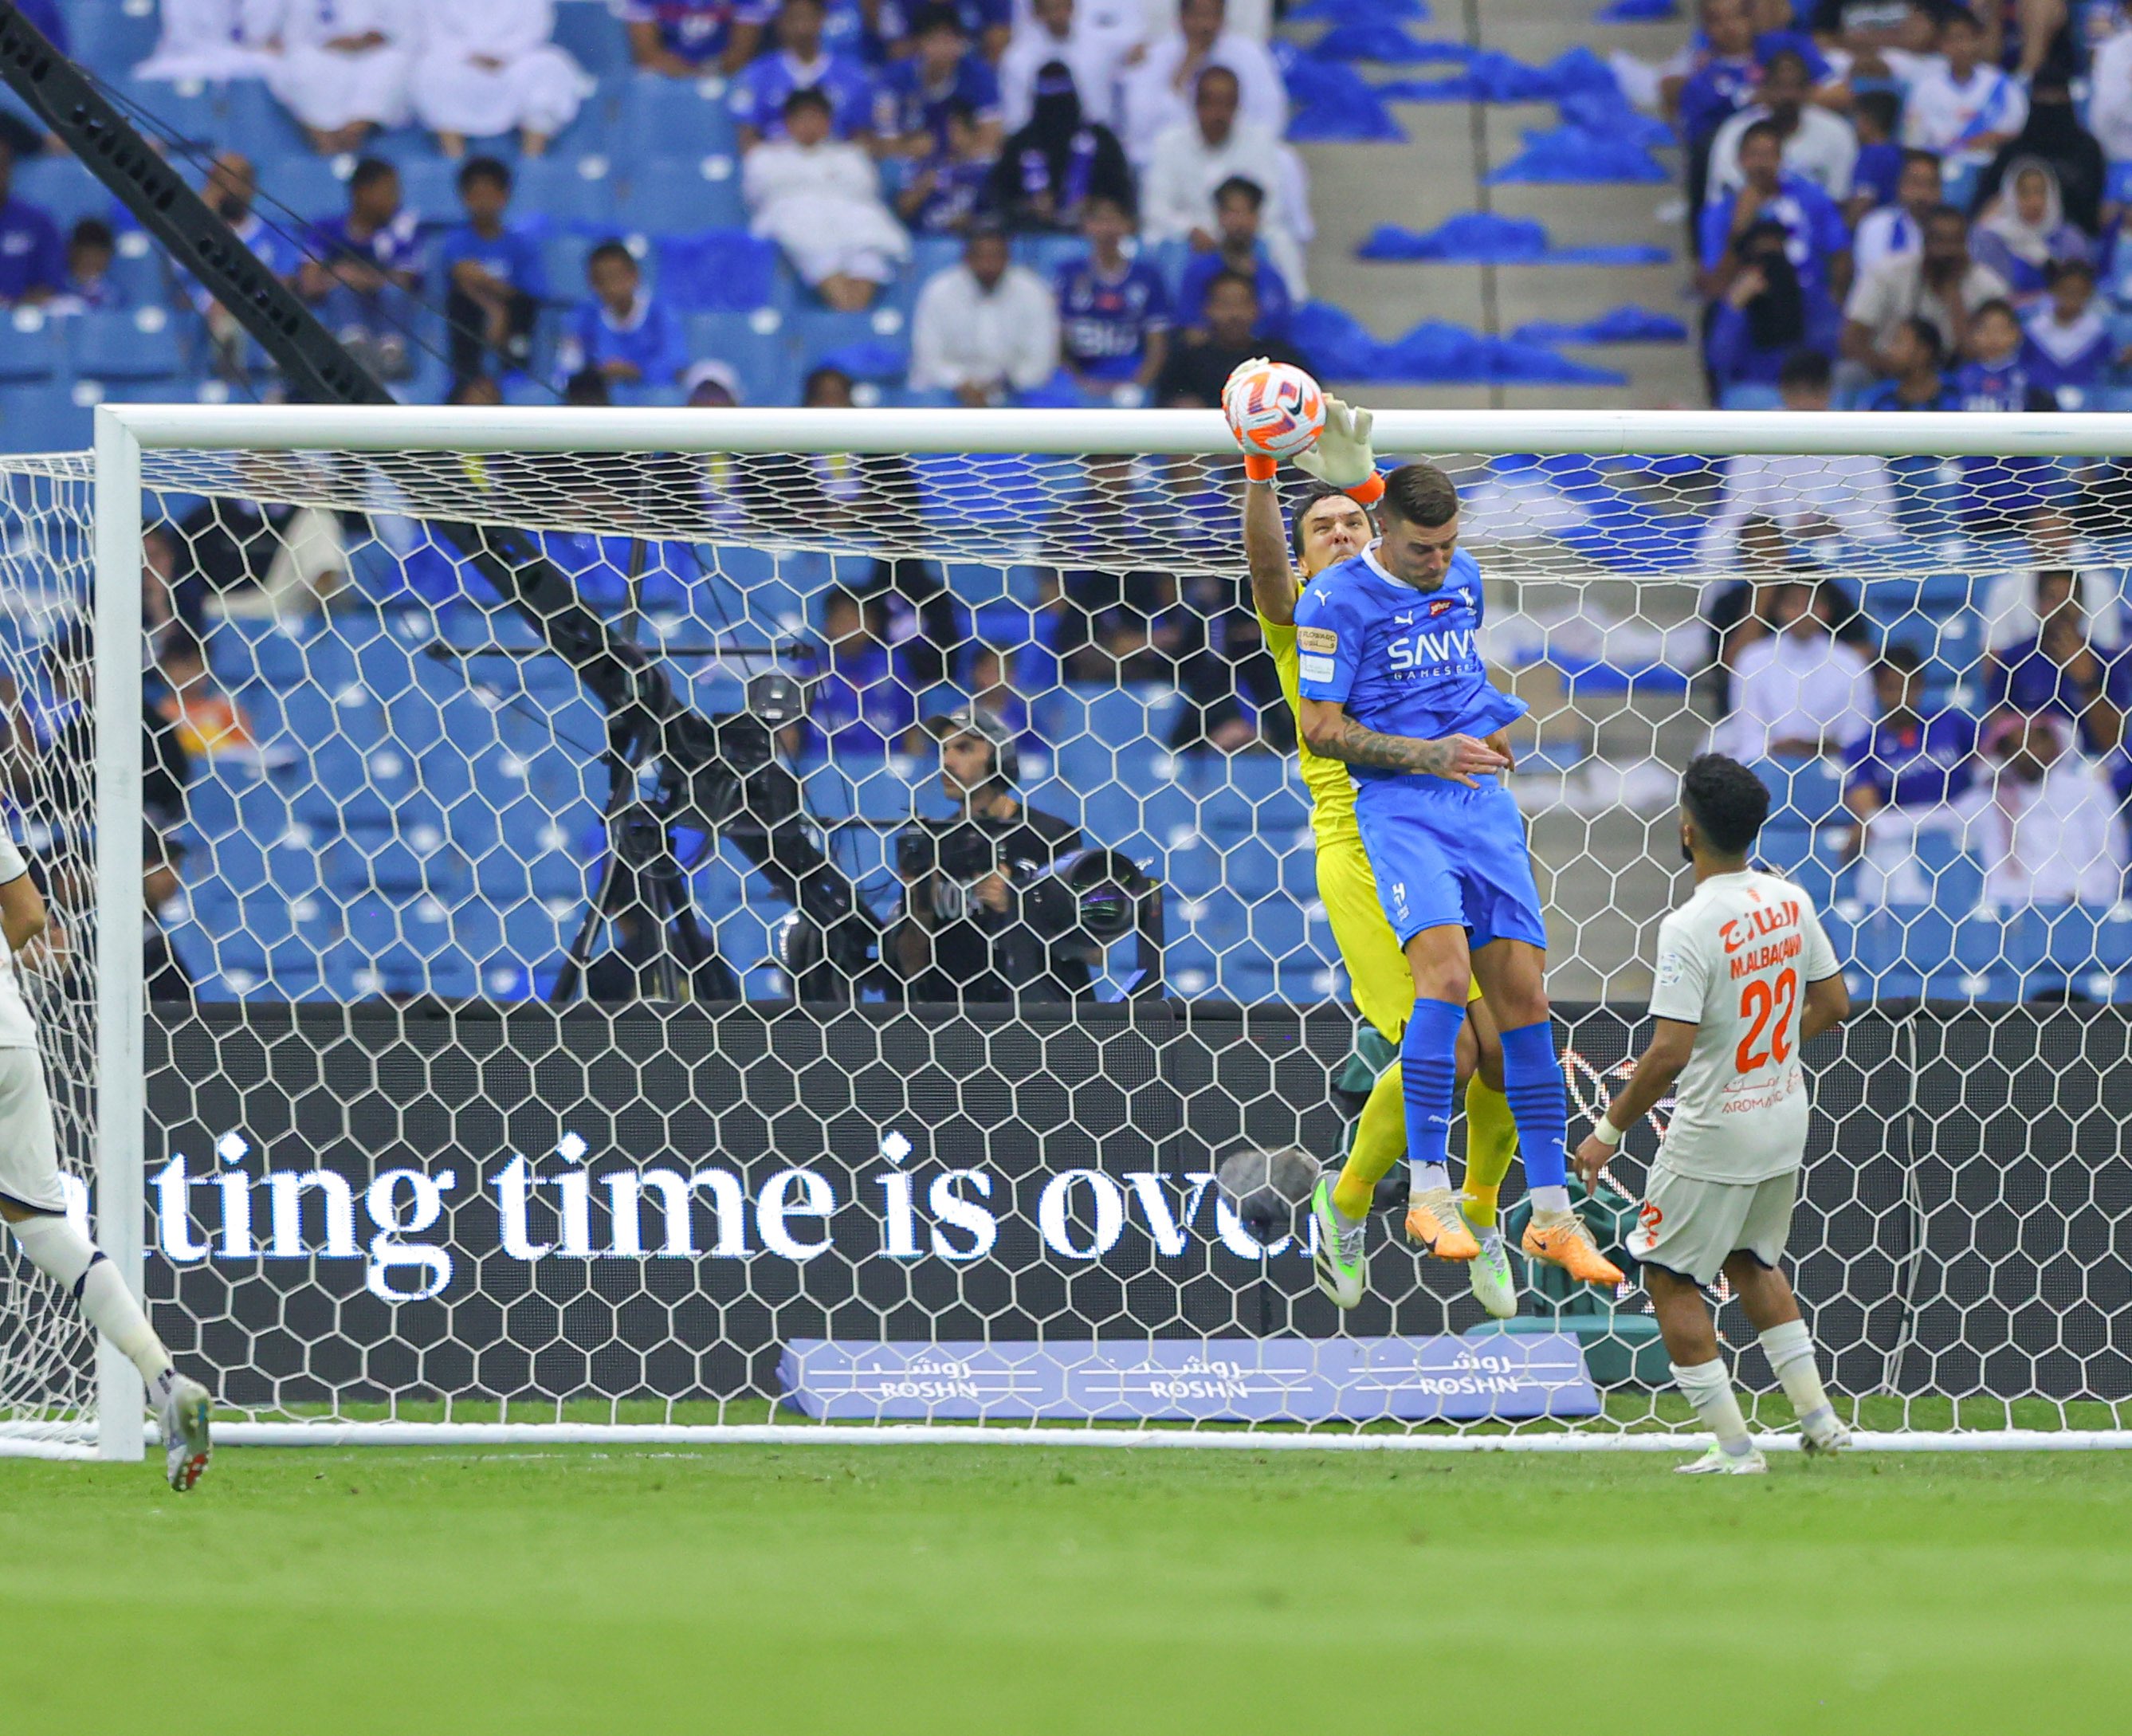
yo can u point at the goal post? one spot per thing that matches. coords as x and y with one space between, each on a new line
385 1191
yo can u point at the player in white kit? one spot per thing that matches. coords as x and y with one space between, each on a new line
35 1208
1745 978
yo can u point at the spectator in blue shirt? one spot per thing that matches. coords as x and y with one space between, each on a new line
32 257
2068 348
1766 316
1912 772
986 23
946 193
1875 117
861 703
1239 206
913 98
800 63
686 39
2058 670
1727 73
494 279
1113 311
91 248
1816 238
621 332
1915 357
363 256
1998 494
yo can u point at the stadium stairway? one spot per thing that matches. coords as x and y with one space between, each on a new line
1442 170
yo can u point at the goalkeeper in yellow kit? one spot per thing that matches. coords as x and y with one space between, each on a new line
1333 525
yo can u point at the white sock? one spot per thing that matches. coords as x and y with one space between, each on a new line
1551 1199
57 1249
1428 1177
1709 1389
1790 1352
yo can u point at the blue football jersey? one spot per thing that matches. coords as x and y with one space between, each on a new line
1403 661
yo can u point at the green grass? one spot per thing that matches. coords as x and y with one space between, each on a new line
947 1589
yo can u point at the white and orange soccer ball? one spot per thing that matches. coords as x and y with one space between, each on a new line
1274 409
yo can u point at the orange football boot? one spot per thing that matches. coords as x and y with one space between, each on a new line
1435 1222
1561 1239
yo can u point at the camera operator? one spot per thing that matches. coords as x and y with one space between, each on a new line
961 934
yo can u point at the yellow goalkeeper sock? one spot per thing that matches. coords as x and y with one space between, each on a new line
1380 1142
1491 1140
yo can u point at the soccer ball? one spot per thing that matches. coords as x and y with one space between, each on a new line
1274 409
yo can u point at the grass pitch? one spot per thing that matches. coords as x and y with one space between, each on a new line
931 1589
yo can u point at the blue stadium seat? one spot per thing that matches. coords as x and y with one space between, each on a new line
662 116
719 271
42 418
140 345
872 345
755 345
65 188
593 36
191 111
34 351
669 195
554 193
109 38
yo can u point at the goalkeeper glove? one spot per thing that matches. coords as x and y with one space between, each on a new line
1342 457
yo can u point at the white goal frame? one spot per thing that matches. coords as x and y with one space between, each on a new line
124 432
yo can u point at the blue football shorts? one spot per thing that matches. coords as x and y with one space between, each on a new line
1444 855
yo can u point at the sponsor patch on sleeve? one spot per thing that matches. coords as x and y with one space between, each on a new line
1321 639
1672 968
1315 669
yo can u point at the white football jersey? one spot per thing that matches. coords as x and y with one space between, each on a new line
18 1029
1735 961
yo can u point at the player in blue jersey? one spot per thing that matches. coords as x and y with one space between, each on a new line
1392 683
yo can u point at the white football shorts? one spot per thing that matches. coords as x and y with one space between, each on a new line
29 1154
1690 1227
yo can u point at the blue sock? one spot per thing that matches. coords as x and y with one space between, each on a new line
1539 1105
1429 1051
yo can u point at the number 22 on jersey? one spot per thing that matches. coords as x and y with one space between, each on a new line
1772 1008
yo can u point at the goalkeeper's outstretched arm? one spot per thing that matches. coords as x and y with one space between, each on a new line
1265 552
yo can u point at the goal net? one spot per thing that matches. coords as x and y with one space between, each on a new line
571 996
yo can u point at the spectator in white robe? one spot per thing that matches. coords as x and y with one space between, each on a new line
1189 161
818 198
985 329
212 39
491 66
1156 94
1800 692
1056 30
2052 833
343 66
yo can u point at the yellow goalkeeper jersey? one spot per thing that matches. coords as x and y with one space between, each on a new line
1332 788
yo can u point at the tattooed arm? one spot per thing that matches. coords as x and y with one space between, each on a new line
1333 734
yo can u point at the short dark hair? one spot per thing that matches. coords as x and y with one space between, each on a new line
1961 15
1913 157
491 170
1216 71
587 389
1940 213
1241 186
1420 494
93 232
1761 129
1927 332
1790 57
1726 801
1226 276
1904 659
807 96
937 18
1311 496
609 249
1883 107
959 108
1803 370
369 171
2060 269
1996 304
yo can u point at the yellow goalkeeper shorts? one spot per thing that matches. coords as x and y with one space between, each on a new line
1376 968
